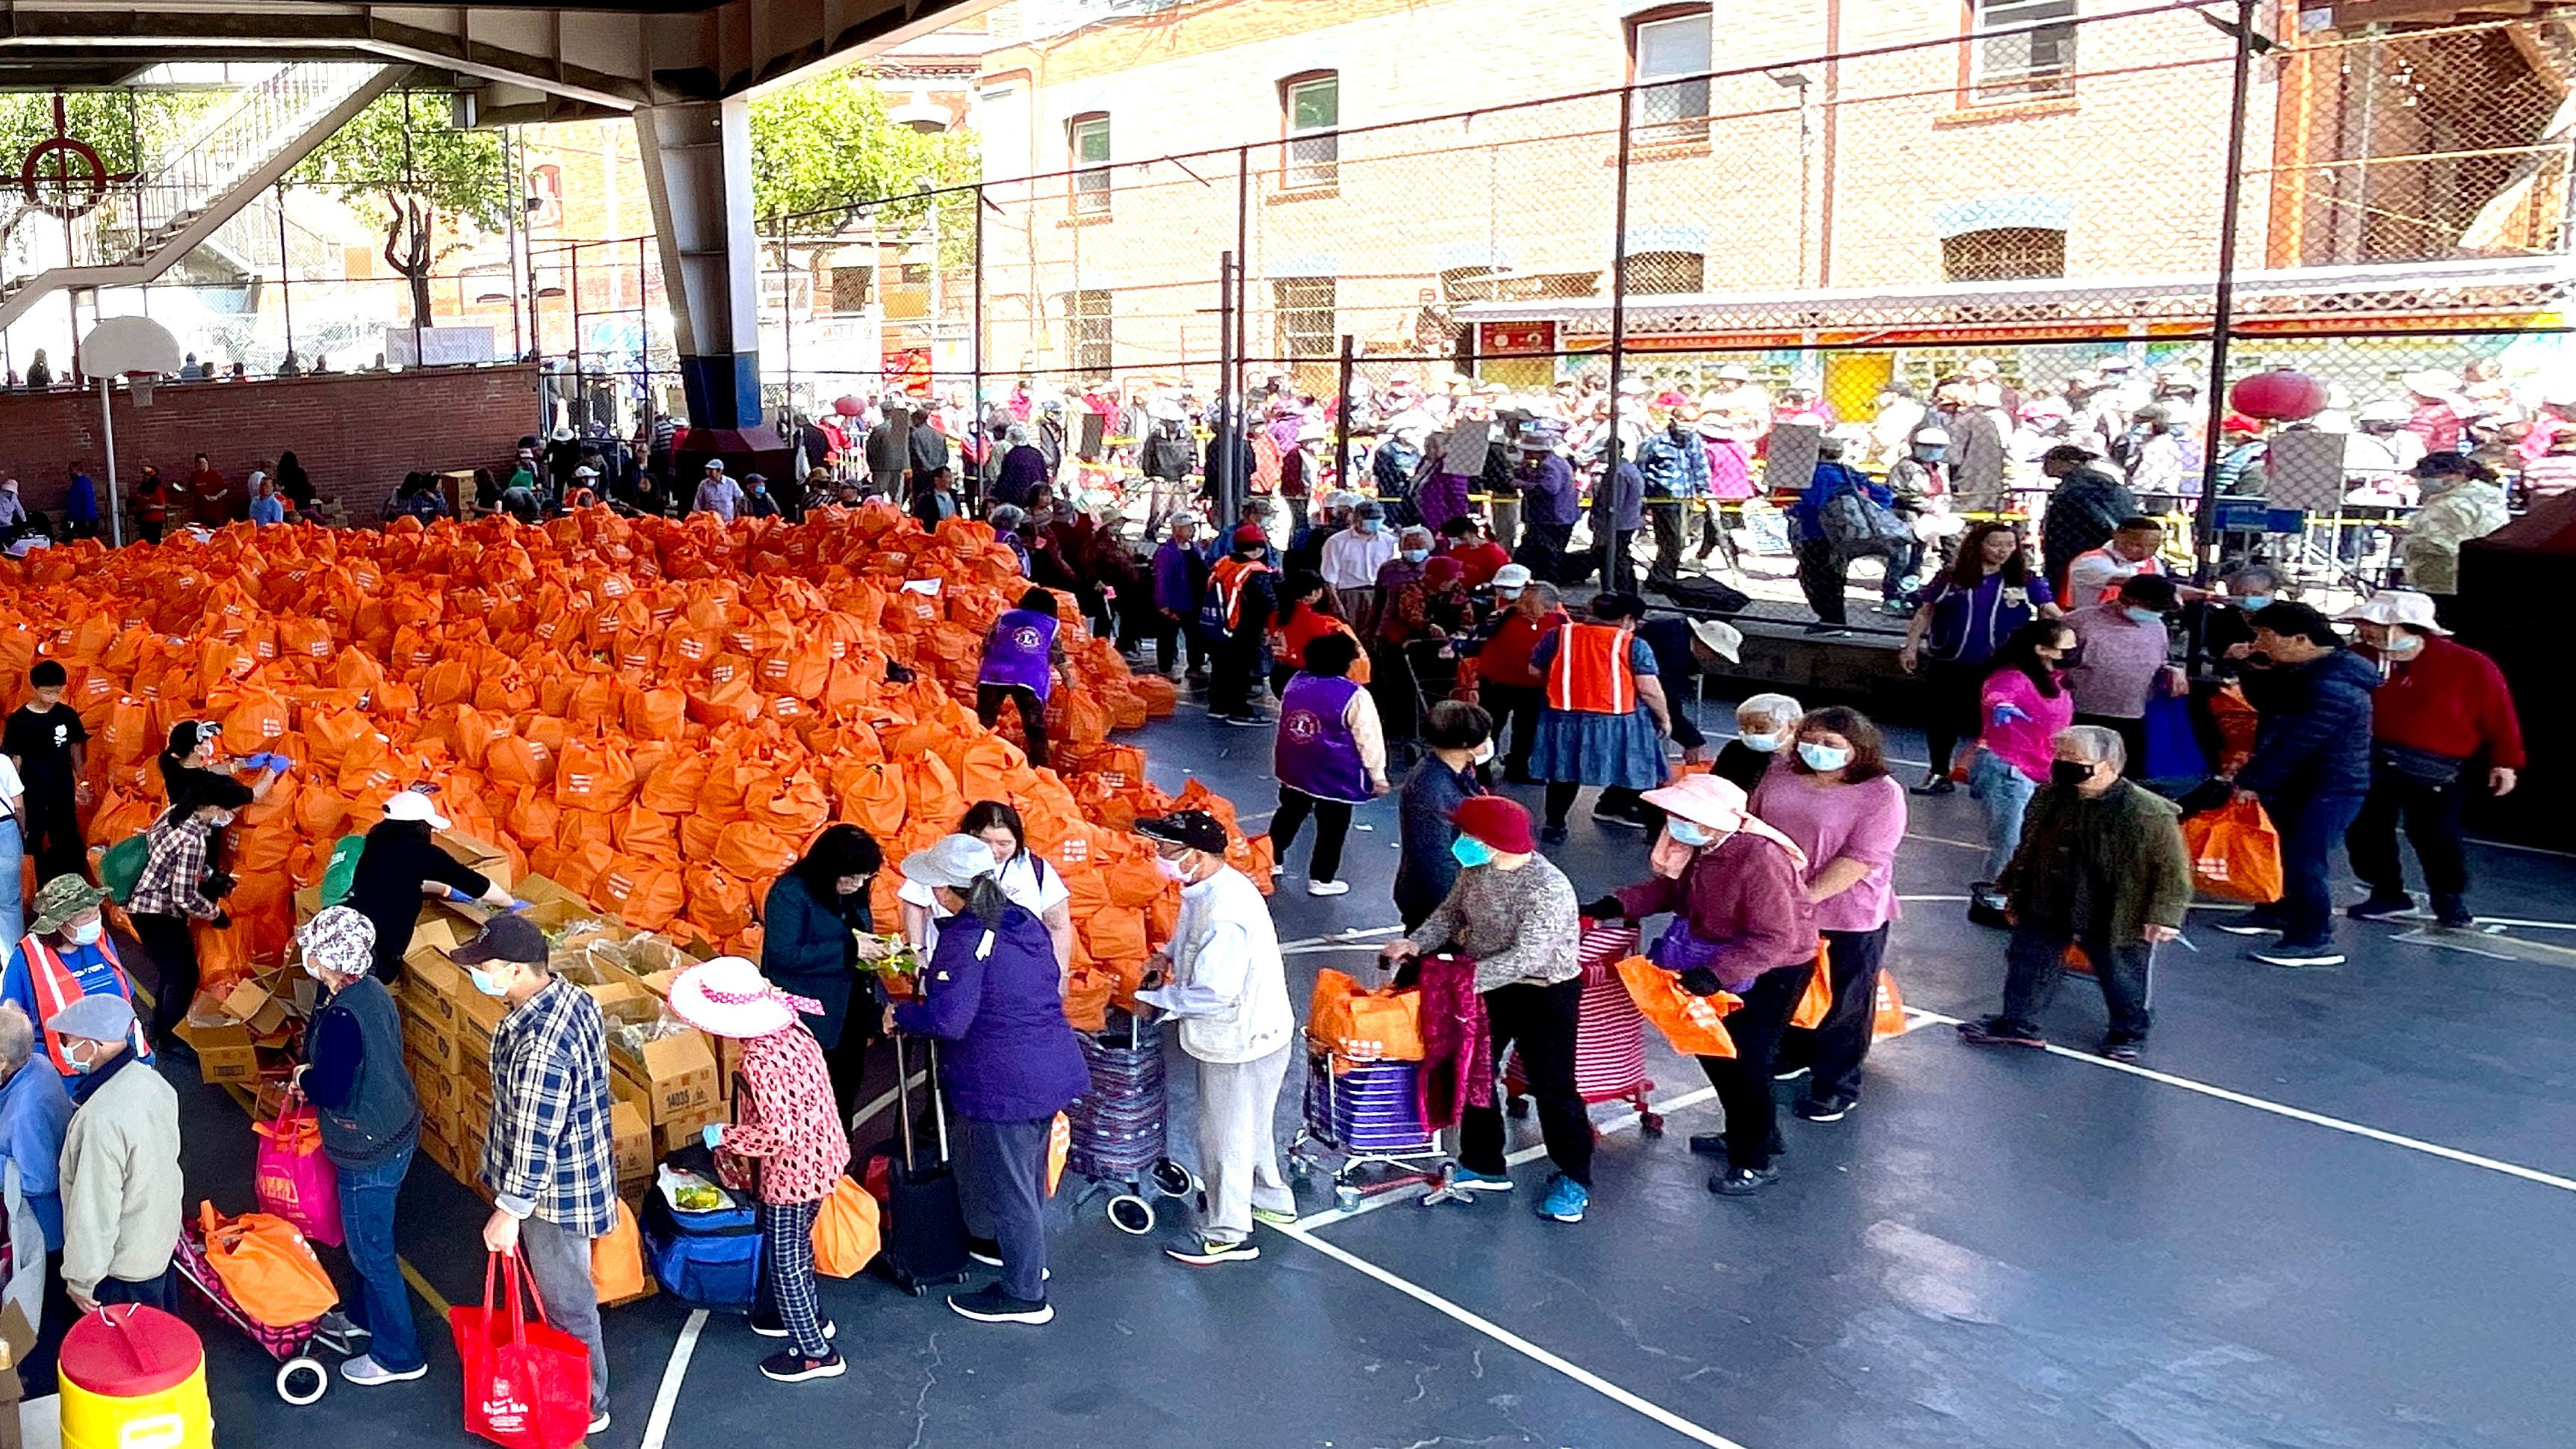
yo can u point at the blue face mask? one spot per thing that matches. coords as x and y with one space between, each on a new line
1685 833
2144 616
1372 525
2254 603
1471 852
1761 744
1416 555
1822 758
487 983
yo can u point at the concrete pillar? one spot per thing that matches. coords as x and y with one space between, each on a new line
697 168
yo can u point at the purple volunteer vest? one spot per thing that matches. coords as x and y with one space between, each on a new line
1316 752
1017 652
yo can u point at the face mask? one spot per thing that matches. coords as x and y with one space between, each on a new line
488 984
1484 754
1372 525
1471 852
2144 616
1416 555
1822 758
2069 773
1507 596
2401 648
80 1065
86 935
1761 744
1688 834
1171 869
2254 603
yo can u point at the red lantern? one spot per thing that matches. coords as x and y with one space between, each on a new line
2284 395
850 407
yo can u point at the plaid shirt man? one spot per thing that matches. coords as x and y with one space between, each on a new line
174 872
548 1149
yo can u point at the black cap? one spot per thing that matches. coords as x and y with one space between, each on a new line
506 937
1196 829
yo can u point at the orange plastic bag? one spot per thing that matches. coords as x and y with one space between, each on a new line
1819 997
2235 852
846 1231
1365 1025
617 1261
1087 994
594 775
1695 1025
1889 1019
267 1267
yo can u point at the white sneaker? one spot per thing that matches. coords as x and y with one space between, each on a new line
599 1425
1328 887
367 1373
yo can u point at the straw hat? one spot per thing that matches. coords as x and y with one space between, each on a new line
729 997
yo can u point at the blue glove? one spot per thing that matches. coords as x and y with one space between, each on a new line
713 1132
460 897
517 906
281 764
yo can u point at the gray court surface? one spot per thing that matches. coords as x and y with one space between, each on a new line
2329 1209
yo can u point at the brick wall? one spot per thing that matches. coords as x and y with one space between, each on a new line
356 434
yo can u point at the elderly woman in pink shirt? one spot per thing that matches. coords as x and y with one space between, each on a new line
2022 705
1835 798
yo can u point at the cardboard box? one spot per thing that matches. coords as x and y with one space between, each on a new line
308 903
441 929
477 855
16 1338
688 1129
431 985
679 1070
632 1132
255 1006
225 1050
474 1049
434 1042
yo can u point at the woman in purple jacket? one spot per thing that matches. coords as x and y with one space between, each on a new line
1020 659
990 990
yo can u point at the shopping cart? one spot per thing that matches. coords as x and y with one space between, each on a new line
301 1379
1119 1128
1370 1113
1610 1037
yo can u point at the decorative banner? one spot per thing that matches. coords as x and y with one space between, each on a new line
1514 339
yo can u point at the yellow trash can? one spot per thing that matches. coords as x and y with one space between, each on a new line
134 1378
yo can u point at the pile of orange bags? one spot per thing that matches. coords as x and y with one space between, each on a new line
658 715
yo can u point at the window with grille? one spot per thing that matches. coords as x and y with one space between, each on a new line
1311 108
1304 307
2003 254
1666 273
1673 49
2024 50
850 288
1086 325
1089 140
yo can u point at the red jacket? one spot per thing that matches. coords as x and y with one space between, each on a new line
1482 560
1505 659
2449 700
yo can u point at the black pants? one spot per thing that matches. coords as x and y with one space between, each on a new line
1833 1050
1666 517
1950 689
1238 670
2035 961
54 837
1821 577
1743 1081
1171 636
988 708
1540 1021
1542 551
149 532
160 1292
2431 814
2133 738
1397 693
1560 799
1515 705
174 960
1332 827
1622 575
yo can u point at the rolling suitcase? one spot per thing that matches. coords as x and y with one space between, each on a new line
925 1225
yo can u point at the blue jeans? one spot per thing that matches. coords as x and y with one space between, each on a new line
13 902
367 1197
2311 826
2005 792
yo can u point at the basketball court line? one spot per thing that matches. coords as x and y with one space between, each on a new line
657 1428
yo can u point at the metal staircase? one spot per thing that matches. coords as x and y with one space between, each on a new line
146 225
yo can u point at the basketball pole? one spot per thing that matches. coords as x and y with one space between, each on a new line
107 426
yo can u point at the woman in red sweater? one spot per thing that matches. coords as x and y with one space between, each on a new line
2442 707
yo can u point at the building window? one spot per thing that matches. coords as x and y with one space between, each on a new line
1311 108
2034 59
1304 307
1672 48
2004 254
1666 273
850 286
1089 138
1086 324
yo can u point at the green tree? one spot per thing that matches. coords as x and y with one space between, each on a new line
826 144
133 131
403 159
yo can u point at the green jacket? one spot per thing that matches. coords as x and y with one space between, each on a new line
2134 837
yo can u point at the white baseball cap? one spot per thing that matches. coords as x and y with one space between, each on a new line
413 805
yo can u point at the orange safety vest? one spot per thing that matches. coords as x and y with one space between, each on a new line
2152 564
1226 577
57 986
1591 673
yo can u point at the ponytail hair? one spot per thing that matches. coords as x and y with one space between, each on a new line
986 901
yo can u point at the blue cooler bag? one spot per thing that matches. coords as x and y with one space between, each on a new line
707 1260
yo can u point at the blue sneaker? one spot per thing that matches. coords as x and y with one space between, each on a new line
1463 1179
1565 1200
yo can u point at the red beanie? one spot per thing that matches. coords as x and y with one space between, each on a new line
1501 823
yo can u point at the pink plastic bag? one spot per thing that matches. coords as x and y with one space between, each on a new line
292 1178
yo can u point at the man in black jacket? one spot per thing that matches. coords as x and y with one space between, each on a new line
2083 512
2310 768
927 446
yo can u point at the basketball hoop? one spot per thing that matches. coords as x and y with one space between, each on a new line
141 384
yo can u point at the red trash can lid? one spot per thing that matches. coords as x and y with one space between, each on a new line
126 1351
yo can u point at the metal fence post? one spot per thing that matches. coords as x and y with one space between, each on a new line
2204 519
975 328
1229 496
1342 418
1611 451
580 391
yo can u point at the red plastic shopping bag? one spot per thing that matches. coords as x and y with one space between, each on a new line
527 1384
292 1178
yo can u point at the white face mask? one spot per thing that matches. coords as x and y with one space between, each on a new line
1172 869
1484 754
87 933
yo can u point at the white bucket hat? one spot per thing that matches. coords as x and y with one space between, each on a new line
1719 638
2404 607
729 997
954 861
